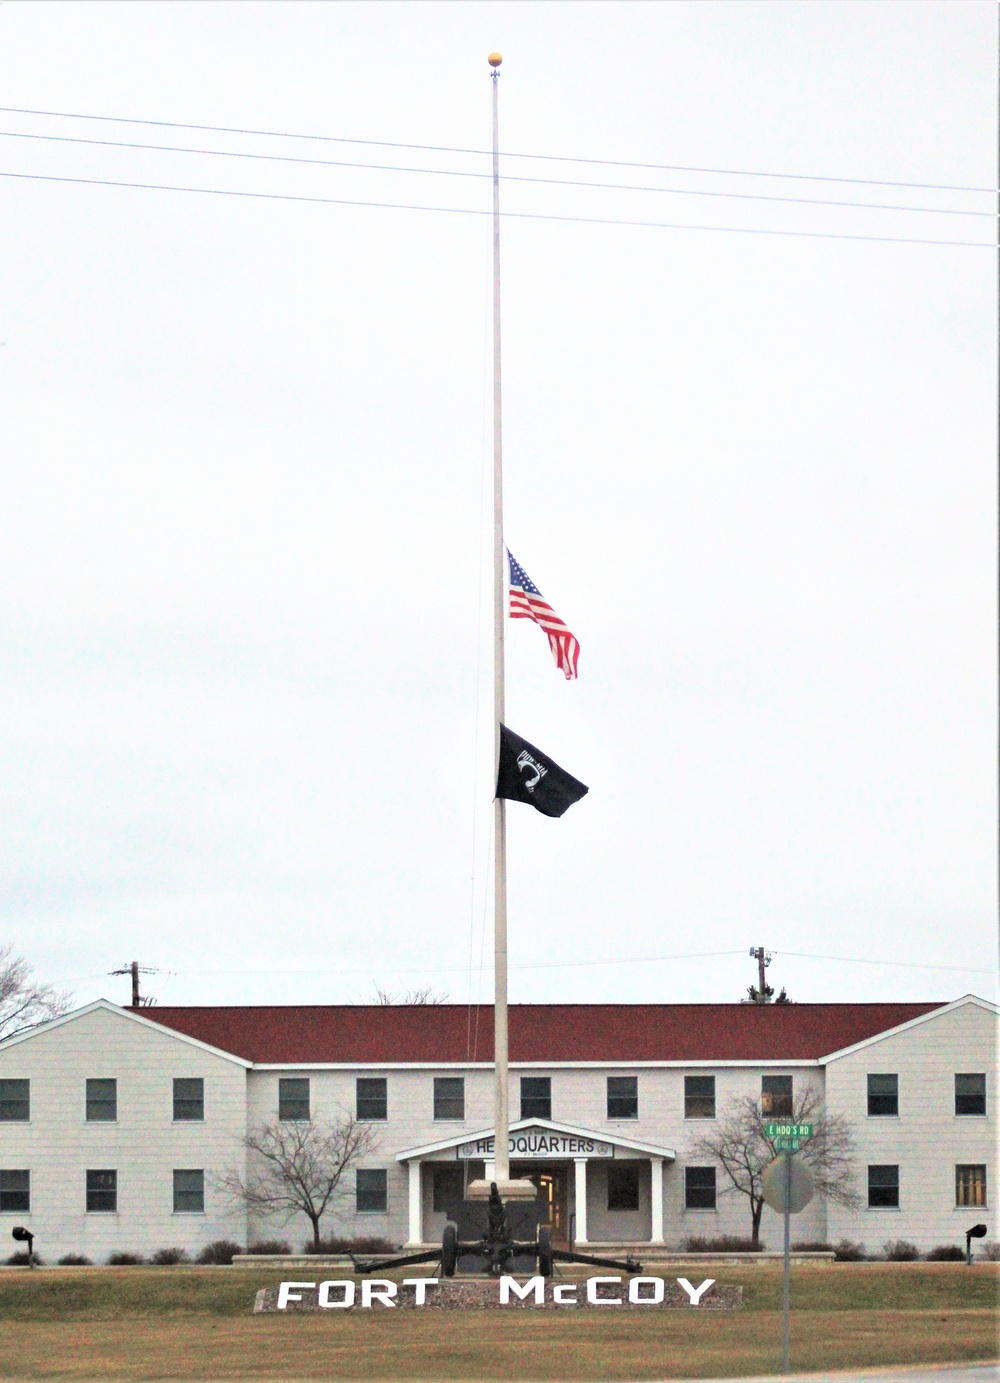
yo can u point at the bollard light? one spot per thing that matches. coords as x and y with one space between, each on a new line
976 1232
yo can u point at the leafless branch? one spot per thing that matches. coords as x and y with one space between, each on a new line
23 1001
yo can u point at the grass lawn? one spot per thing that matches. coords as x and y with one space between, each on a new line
164 1323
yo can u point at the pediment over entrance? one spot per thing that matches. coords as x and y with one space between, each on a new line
539 1140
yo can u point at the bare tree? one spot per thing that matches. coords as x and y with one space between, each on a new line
297 1166
740 1144
23 1001
422 995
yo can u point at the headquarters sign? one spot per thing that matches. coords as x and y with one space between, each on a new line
538 1143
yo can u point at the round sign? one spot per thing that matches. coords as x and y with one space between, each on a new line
775 1185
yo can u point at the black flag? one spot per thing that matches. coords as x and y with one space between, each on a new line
528 775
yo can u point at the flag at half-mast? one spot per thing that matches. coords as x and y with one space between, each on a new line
526 602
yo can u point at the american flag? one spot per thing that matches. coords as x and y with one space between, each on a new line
526 603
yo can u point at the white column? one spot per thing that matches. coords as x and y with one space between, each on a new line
656 1198
580 1164
416 1203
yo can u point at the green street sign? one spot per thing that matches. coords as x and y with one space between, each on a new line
788 1144
789 1130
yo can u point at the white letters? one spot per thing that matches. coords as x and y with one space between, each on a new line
286 1293
695 1293
323 1295
419 1285
533 1284
637 1300
378 1289
592 1297
560 1294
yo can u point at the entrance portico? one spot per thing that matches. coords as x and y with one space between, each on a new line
564 1161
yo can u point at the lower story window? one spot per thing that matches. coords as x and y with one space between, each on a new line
372 1188
449 1187
189 1192
102 1192
699 1188
883 1187
15 1191
970 1184
623 1187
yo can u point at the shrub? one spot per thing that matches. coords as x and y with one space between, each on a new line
75 1260
848 1251
219 1251
372 1244
901 1251
166 1258
810 1246
991 1250
724 1243
125 1260
946 1253
21 1259
270 1246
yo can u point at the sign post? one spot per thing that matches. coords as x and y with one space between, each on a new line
787 1188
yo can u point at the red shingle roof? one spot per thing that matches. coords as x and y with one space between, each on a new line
362 1035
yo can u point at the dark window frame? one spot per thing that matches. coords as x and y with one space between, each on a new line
699 1100
775 1104
536 1104
181 1194
374 1177
12 1103
372 1106
449 1106
883 1189
290 1101
96 1100
623 1186
976 1097
185 1103
970 1182
887 1098
96 1191
703 1196
21 1194
623 1101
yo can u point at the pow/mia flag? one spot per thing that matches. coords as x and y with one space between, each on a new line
528 775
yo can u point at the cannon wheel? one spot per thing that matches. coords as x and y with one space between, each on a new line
545 1261
449 1250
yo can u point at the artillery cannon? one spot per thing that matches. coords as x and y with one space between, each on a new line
497 1248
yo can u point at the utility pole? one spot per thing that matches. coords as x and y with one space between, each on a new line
763 959
135 970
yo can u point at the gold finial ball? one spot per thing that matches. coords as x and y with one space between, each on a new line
495 59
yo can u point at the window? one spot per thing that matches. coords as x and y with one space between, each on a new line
373 1097
372 1188
699 1097
883 1188
699 1188
970 1184
449 1097
189 1193
970 1093
102 1101
536 1097
776 1096
15 1191
189 1098
623 1187
293 1097
15 1101
623 1097
102 1192
883 1096
449 1187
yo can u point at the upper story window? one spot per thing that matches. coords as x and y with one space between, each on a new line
536 1097
970 1093
883 1187
883 1096
776 1096
623 1097
189 1098
15 1101
699 1097
372 1096
449 1097
102 1101
970 1184
15 1192
293 1097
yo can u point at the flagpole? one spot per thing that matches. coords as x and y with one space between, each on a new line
501 1097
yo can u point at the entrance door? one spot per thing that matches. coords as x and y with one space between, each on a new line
551 1182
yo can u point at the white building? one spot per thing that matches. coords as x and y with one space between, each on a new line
116 1124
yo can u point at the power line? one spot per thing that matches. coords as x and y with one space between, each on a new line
507 177
896 964
508 215
453 149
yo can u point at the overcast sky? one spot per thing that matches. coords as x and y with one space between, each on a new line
245 720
